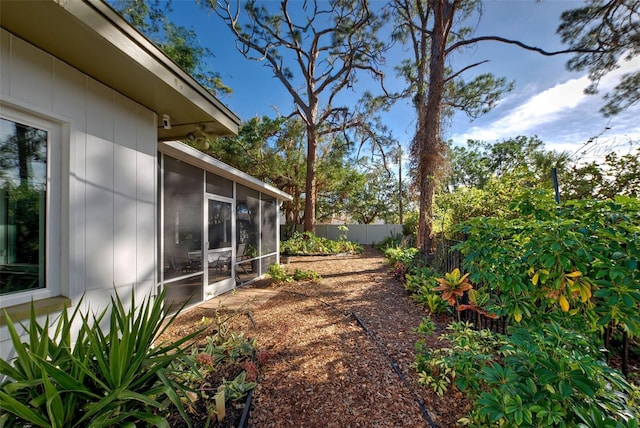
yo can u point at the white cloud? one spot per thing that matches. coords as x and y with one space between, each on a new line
564 112
539 109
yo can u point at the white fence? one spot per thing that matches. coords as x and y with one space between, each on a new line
364 234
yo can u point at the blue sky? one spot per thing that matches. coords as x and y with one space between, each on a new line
547 101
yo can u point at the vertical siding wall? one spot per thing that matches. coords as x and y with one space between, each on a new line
108 171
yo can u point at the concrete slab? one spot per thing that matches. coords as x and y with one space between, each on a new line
245 297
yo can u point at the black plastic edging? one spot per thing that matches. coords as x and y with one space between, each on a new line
244 419
381 347
415 397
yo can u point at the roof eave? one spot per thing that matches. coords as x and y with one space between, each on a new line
99 42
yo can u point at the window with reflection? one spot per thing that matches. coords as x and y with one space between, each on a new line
217 185
23 201
269 225
182 234
248 219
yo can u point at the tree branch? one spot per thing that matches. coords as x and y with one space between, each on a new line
459 72
518 43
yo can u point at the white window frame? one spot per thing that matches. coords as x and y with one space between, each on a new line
53 223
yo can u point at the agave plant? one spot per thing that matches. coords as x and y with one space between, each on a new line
99 379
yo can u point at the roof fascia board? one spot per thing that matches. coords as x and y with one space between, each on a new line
148 55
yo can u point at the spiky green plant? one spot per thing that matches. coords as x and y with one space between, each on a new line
101 378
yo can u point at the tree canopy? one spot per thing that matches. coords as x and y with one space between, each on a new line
604 33
320 51
485 178
151 17
315 49
273 150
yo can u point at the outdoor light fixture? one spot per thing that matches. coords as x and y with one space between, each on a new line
166 121
200 137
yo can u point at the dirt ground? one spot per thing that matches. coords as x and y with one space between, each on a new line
338 352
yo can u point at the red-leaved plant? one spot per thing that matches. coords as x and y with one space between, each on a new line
453 285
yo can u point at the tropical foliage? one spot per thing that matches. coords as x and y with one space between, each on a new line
93 377
309 244
560 274
576 263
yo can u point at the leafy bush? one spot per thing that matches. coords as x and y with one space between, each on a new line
419 280
280 275
576 263
554 377
410 226
306 275
405 256
419 277
309 244
426 327
561 274
551 377
458 365
96 378
389 242
420 283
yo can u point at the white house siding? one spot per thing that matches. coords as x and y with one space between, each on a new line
107 236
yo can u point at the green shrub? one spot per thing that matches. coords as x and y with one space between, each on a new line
576 263
420 283
309 244
306 275
550 377
417 279
405 256
97 378
553 377
390 242
458 365
410 226
280 275
426 327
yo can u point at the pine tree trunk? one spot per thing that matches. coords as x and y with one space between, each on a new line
310 185
431 155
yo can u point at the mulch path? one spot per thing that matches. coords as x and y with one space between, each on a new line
338 352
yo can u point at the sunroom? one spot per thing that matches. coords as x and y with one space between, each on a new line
219 226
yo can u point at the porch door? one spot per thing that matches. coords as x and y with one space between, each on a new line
220 232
